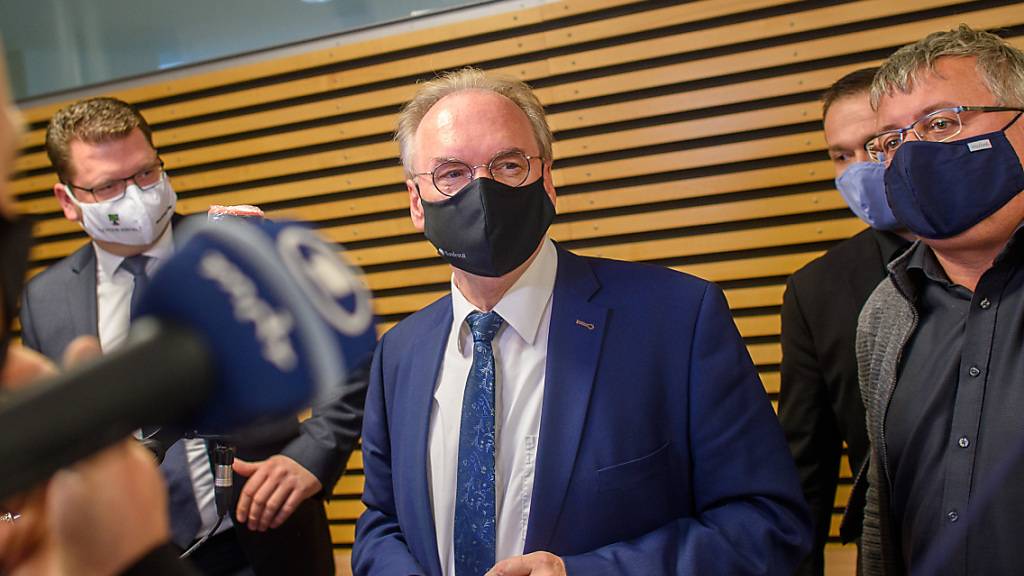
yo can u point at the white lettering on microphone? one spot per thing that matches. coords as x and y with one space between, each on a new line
272 328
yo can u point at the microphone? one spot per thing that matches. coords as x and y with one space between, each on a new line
245 322
223 476
223 446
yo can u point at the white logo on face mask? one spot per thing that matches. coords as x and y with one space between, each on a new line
137 218
985 144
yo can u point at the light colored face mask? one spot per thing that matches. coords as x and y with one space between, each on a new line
863 188
137 218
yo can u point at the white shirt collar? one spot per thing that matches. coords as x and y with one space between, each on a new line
107 264
522 307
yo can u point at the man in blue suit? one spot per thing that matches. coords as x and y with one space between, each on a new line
557 414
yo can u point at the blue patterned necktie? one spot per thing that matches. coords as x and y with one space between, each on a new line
475 529
136 266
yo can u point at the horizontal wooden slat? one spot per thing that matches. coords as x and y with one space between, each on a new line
739 269
843 494
349 484
797 52
344 509
770 379
756 297
765 353
728 241
686 159
343 50
688 130
844 468
737 33
755 326
343 533
811 81
833 527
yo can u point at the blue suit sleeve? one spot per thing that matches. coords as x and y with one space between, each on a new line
380 547
749 516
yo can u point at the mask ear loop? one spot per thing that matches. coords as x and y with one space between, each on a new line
1013 121
68 189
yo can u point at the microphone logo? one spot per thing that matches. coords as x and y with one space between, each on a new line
273 328
331 285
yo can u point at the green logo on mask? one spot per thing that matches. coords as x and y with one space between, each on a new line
114 219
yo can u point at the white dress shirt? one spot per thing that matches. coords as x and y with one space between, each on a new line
520 356
114 287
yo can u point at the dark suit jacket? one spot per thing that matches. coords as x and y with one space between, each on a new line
60 304
161 561
819 402
658 452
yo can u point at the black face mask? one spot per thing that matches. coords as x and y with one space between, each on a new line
15 239
489 228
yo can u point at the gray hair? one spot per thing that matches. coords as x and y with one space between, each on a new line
468 78
1000 65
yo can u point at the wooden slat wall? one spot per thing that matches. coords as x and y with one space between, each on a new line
688 135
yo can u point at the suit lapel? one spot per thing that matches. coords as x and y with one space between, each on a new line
574 347
422 376
81 291
81 288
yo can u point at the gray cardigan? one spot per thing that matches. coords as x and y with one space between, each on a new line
886 323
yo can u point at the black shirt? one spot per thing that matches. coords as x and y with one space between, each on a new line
954 440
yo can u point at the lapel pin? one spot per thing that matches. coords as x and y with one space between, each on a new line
587 325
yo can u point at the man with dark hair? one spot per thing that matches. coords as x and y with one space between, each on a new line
112 183
819 404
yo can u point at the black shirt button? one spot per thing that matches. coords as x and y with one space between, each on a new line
985 304
974 371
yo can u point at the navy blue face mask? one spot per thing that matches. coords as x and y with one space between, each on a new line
940 189
489 228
